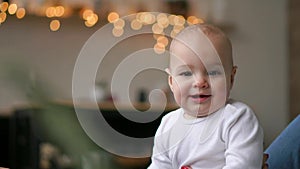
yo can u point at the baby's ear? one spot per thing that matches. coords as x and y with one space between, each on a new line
170 80
233 72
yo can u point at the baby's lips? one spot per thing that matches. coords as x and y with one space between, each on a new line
186 167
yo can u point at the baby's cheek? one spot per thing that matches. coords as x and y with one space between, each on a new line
180 91
177 97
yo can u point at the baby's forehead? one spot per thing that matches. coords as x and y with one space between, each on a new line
194 49
203 43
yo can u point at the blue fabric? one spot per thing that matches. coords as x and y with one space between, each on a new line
284 152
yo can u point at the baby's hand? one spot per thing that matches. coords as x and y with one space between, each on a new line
186 167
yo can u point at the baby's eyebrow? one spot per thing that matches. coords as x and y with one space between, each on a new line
184 66
215 66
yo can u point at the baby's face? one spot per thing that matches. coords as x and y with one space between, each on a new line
199 81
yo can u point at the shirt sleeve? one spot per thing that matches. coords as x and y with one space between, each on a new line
243 138
160 158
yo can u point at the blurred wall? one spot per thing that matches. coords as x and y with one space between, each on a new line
261 54
294 50
258 32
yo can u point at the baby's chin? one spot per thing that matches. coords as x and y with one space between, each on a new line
197 112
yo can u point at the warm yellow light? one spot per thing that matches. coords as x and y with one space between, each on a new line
117 32
87 13
148 18
90 17
119 24
178 28
139 16
88 24
157 29
171 19
91 20
192 20
59 11
173 34
136 25
161 15
162 40
179 20
159 48
12 9
20 13
50 12
54 25
112 17
3 6
2 17
162 20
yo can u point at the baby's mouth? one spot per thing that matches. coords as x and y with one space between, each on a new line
199 98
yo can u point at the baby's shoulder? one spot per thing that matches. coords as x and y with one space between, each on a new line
234 110
233 106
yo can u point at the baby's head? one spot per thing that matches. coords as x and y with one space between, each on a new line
201 71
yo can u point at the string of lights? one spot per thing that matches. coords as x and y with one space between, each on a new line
159 22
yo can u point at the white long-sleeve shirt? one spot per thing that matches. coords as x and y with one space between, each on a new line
230 138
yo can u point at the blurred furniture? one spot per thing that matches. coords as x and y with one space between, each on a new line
19 145
4 141
23 133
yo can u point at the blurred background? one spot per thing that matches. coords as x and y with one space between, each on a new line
40 41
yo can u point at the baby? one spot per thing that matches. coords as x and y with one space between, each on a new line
209 130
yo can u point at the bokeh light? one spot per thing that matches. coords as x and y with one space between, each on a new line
162 40
20 13
90 17
117 32
2 17
119 24
171 19
12 9
157 29
50 12
86 13
112 17
4 6
146 18
159 48
179 20
136 25
192 20
91 20
54 25
162 20
59 11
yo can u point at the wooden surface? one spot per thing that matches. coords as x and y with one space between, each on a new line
112 106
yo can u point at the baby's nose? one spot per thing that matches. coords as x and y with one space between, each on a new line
201 82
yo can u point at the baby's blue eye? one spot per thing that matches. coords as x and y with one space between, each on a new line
213 73
187 73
